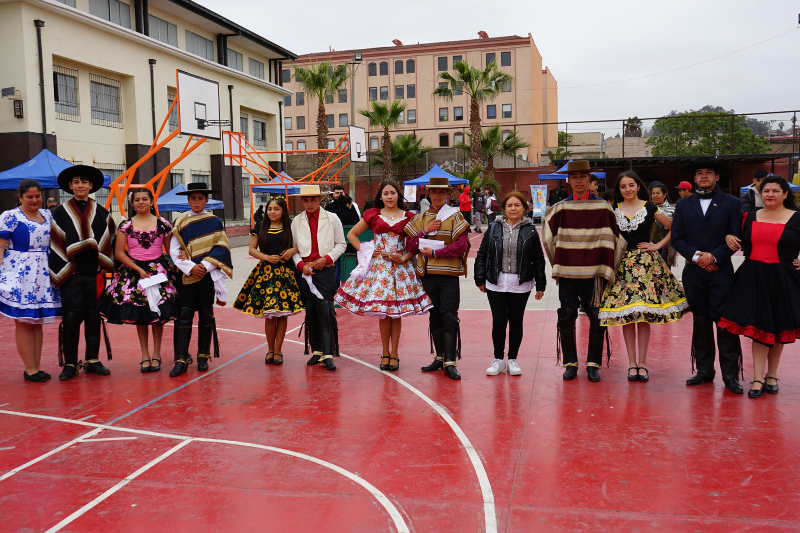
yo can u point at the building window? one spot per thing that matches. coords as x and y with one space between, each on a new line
288 145
412 116
490 58
259 133
372 69
456 58
65 93
113 171
374 143
301 98
342 96
506 134
287 101
287 123
384 93
106 101
398 67
301 123
172 123
343 120
199 46
286 75
506 110
506 88
459 88
398 92
373 93
243 124
384 68
443 84
505 59
444 140
401 119
256 68
458 138
235 60
301 145
411 91
201 176
458 113
328 98
442 64
443 114
410 66
331 143
246 190
491 111
329 120
111 10
70 3
175 177
163 31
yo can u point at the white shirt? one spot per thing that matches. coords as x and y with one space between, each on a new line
186 266
704 203
489 199
509 283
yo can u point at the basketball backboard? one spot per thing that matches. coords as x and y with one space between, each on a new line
232 145
358 144
198 103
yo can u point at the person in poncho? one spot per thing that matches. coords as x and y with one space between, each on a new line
201 252
81 252
584 247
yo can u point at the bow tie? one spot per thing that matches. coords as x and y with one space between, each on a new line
706 195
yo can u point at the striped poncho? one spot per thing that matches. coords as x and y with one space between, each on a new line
74 231
202 237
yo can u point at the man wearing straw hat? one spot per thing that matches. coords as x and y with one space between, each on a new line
319 238
439 270
583 244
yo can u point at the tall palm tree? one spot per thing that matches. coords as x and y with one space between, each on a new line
406 152
480 86
477 181
316 81
385 116
494 145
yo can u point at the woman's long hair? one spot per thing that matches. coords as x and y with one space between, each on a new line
643 192
263 233
788 202
378 204
136 191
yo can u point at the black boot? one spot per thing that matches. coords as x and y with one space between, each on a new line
313 336
94 366
92 326
315 357
593 372
69 336
69 372
327 330
450 335
702 350
182 336
205 331
568 348
730 359
435 322
594 353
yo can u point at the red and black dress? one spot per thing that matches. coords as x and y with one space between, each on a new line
764 305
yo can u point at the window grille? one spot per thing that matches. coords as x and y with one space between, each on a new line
106 101
65 92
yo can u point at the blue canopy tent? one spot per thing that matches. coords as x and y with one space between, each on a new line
278 185
435 172
601 175
792 187
44 167
170 201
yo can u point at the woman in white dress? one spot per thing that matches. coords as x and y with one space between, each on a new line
25 291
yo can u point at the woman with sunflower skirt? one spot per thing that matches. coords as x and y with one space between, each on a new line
271 290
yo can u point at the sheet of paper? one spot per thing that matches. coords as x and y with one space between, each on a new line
152 280
430 243
446 212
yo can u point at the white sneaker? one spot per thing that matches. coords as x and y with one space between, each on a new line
498 365
513 368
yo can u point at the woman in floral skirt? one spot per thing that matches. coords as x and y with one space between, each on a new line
271 290
390 290
125 301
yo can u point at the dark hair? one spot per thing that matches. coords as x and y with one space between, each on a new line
136 191
788 202
378 203
344 200
519 196
643 193
760 174
661 186
608 195
593 177
263 233
27 184
337 187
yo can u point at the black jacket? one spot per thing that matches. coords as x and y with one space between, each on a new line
693 231
530 257
748 199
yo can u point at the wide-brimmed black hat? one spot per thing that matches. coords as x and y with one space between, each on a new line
84 171
196 187
706 162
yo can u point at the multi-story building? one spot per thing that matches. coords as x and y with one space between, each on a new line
411 73
109 76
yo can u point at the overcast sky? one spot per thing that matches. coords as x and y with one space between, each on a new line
582 42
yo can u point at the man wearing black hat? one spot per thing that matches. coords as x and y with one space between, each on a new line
81 251
699 227
201 251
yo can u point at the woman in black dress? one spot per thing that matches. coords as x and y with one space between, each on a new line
763 305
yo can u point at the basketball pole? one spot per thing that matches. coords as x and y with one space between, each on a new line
353 119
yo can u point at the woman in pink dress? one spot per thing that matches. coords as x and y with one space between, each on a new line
390 290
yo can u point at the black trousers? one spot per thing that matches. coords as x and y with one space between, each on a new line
444 292
79 305
707 294
445 295
320 323
508 309
199 297
574 294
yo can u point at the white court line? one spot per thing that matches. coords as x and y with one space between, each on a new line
51 452
109 438
397 518
71 518
7 448
87 417
3 404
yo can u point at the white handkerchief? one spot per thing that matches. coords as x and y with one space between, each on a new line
152 280
446 212
430 243
365 251
151 287
311 286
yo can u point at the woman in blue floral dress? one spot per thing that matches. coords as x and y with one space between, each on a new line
25 291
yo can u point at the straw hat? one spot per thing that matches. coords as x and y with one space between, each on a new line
308 190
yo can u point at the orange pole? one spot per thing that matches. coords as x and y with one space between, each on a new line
174 102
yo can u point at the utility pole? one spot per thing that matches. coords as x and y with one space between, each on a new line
356 58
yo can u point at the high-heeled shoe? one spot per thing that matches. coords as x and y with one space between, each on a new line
155 368
390 367
634 377
771 389
145 369
756 393
385 366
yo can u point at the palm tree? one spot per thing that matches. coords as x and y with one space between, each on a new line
495 143
406 152
317 81
479 86
385 116
560 154
478 182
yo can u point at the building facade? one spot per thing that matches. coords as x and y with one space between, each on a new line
411 73
109 71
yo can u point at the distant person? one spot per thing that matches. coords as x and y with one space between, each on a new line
594 185
553 198
751 197
343 208
478 207
608 196
424 204
336 193
562 193
258 216
660 196
492 207
52 204
684 189
465 206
